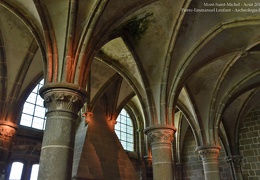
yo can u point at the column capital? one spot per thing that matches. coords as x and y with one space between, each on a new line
88 115
160 133
7 131
235 160
208 151
179 164
63 96
148 161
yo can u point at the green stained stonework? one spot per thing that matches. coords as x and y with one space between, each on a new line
136 26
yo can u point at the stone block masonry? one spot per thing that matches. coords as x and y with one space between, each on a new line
249 139
192 164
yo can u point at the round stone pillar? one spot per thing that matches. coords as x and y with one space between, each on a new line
7 132
235 163
63 102
161 137
209 155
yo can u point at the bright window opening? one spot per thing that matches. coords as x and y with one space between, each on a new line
16 171
124 130
33 111
34 172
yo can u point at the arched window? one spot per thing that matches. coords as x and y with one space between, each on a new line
33 111
34 172
16 171
124 130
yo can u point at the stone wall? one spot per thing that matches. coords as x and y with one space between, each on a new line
192 164
224 166
249 139
139 167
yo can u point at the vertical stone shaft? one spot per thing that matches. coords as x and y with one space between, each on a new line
62 101
235 163
209 155
7 132
161 138
179 168
148 167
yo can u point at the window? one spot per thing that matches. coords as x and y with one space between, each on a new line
16 171
124 130
33 111
34 172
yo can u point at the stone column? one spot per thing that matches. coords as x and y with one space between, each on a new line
27 169
63 102
161 137
235 163
209 155
7 132
179 168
